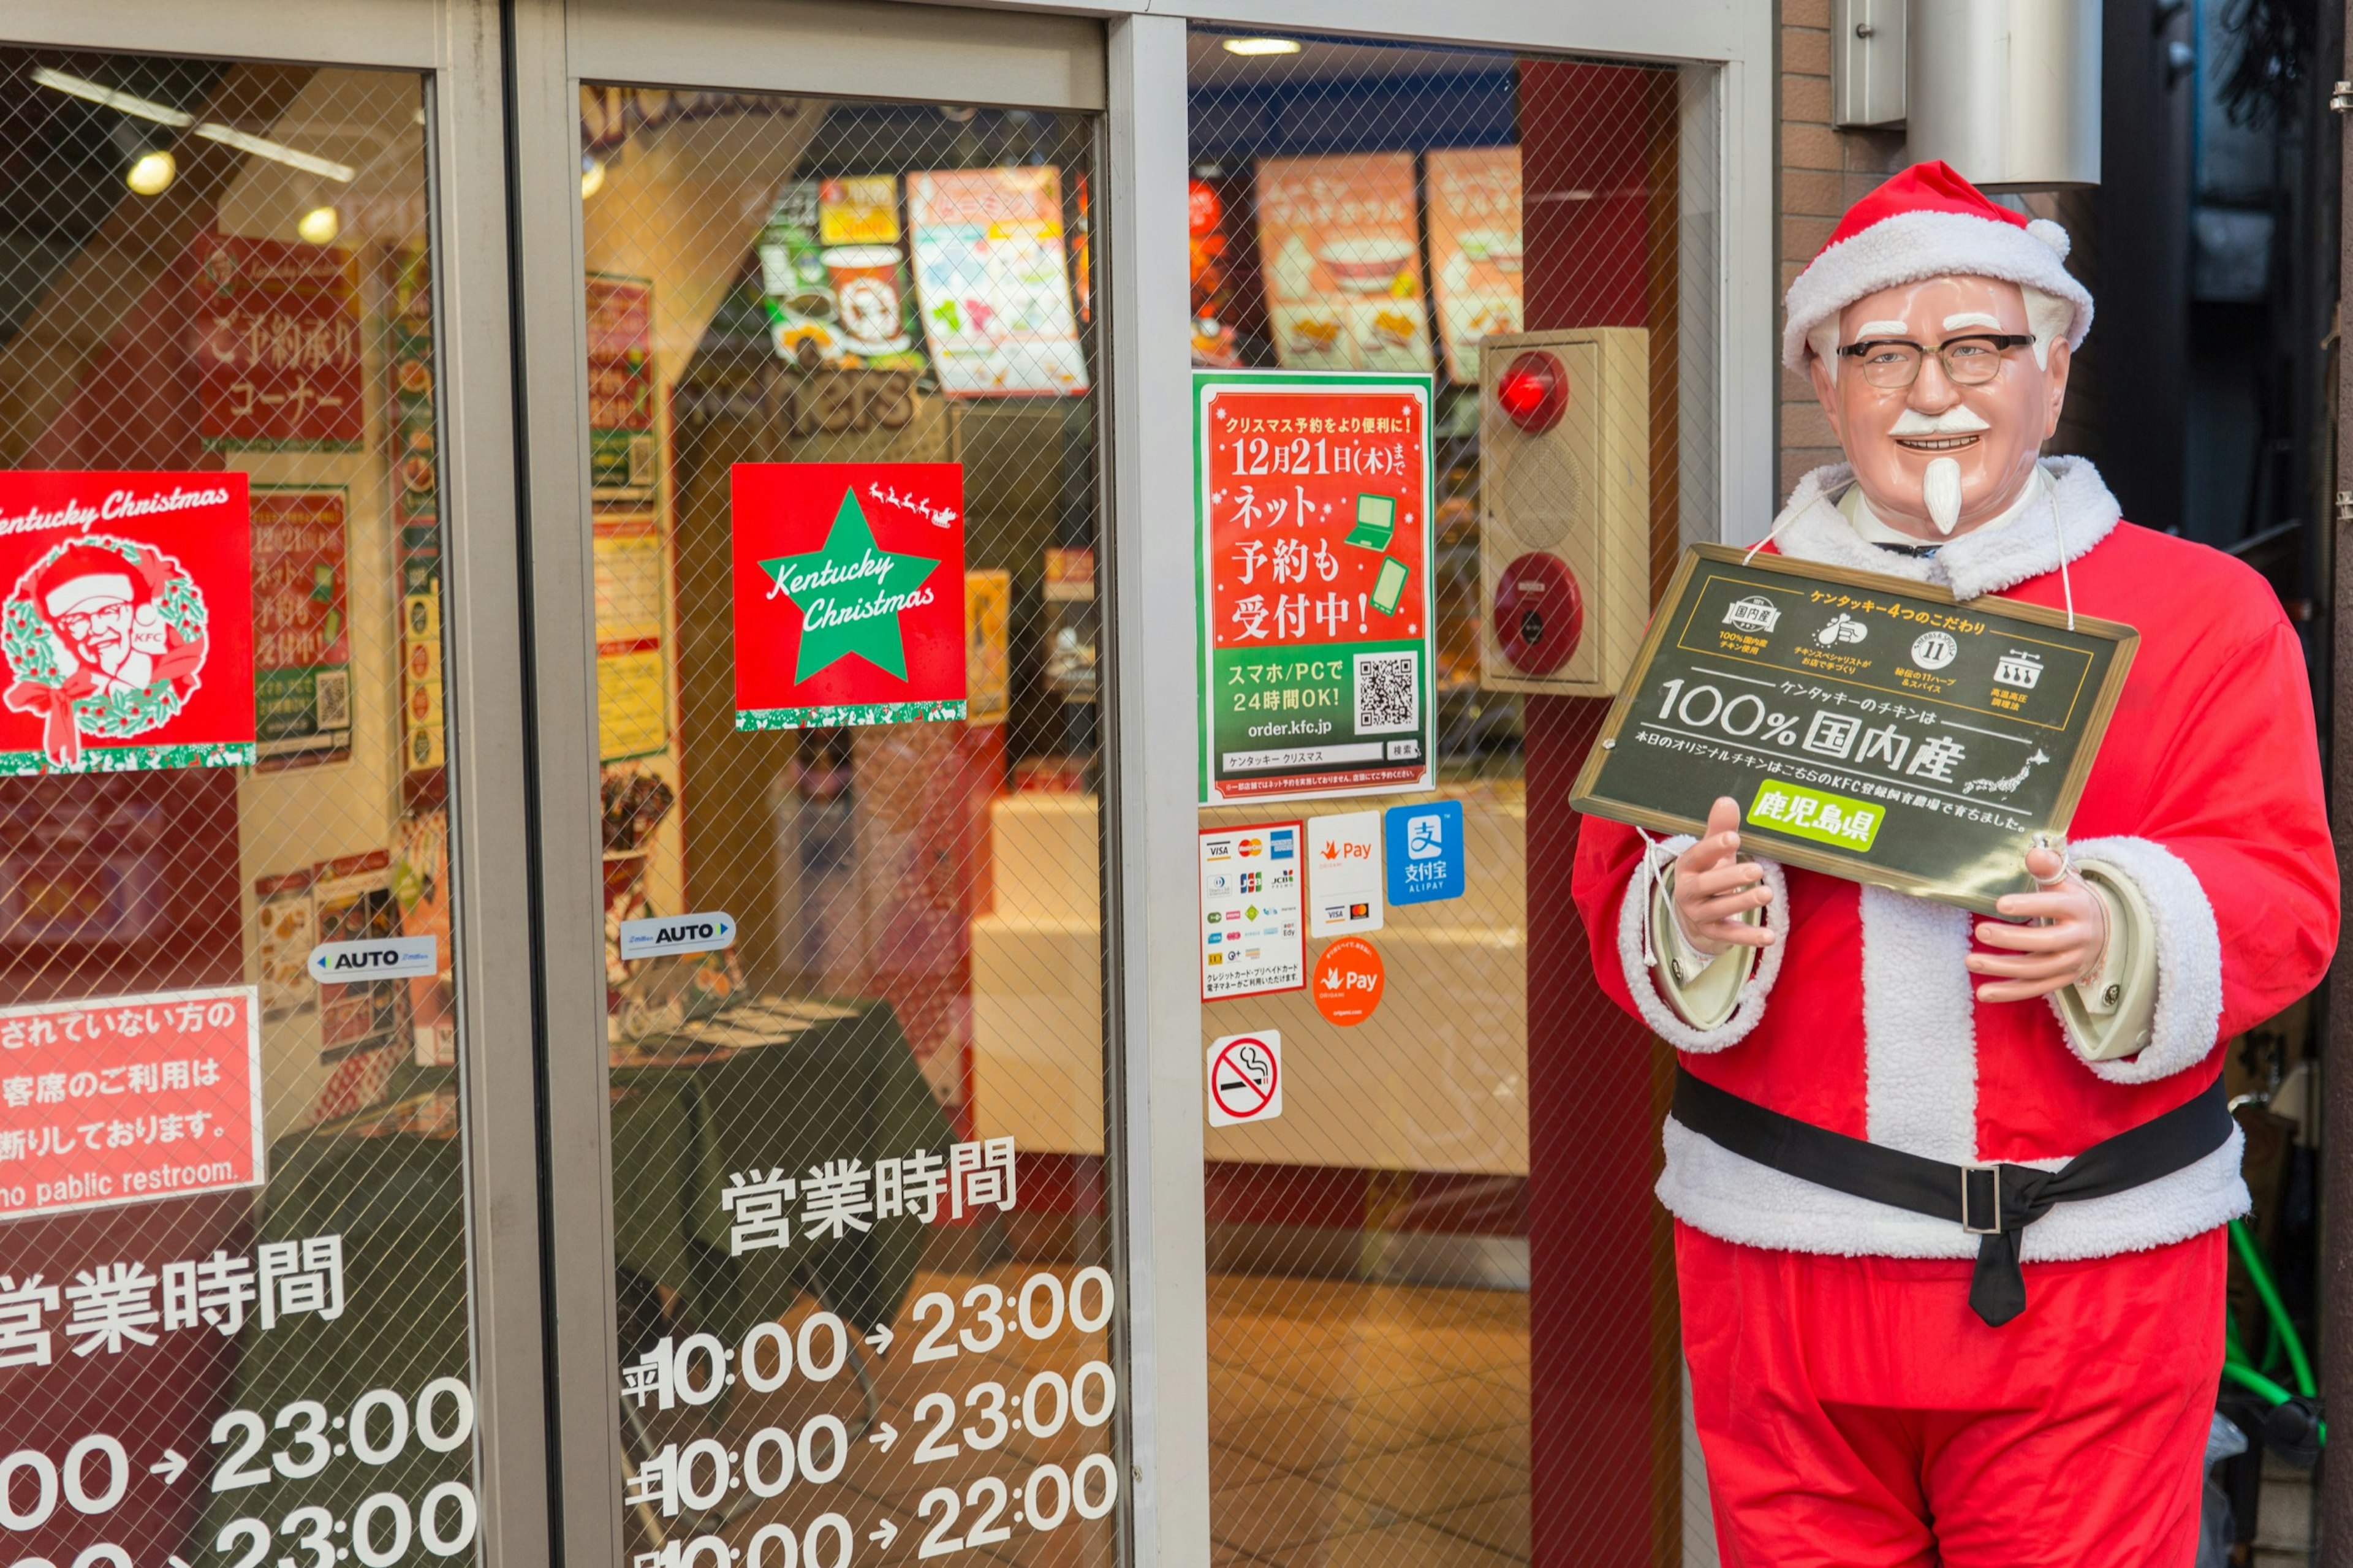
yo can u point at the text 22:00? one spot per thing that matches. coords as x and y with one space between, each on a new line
1068 1489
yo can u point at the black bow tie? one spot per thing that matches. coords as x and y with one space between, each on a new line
1917 552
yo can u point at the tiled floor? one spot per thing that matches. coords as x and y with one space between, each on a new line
1356 1426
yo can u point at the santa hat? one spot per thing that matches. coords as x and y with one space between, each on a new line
1928 221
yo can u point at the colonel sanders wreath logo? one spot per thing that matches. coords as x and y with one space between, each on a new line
104 637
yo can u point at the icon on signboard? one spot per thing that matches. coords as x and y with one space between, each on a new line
1245 1078
1425 852
1753 614
1345 851
1349 978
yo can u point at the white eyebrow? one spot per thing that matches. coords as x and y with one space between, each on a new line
1972 319
1884 329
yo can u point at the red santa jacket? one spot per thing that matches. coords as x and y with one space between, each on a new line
2206 792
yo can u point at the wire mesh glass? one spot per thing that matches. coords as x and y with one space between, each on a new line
1441 1309
843 438
233 1264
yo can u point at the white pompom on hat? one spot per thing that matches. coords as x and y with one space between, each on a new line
1928 221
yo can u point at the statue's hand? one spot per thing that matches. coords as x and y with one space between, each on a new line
2064 943
1713 888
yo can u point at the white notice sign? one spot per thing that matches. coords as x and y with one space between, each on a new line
666 935
1246 1078
1343 873
1252 941
385 958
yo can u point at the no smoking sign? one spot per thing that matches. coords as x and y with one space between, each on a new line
1246 1078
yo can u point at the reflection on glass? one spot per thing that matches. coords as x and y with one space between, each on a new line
842 438
233 1300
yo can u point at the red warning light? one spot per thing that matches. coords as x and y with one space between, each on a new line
1533 392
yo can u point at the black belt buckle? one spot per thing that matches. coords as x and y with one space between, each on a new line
1991 1169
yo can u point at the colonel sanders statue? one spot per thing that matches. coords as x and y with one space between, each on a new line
1949 1190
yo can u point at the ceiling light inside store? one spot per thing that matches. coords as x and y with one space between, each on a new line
163 114
121 102
1262 46
318 226
151 173
592 175
277 151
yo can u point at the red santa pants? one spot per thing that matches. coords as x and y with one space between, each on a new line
1855 1413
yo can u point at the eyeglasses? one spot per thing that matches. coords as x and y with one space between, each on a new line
1972 360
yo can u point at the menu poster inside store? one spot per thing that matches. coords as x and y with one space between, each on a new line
833 274
125 1100
422 743
278 355
988 645
417 502
623 455
849 594
1253 939
126 621
632 673
302 625
285 930
993 281
1340 251
1313 524
1474 249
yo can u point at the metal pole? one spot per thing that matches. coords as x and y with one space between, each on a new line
2333 1520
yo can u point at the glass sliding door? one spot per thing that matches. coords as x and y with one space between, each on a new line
841 508
1441 1328
236 1248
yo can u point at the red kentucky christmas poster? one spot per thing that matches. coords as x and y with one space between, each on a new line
849 594
126 621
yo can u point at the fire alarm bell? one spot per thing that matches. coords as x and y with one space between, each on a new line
1564 509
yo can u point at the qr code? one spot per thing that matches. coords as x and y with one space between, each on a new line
1388 692
335 698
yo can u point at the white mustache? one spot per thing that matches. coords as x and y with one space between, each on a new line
1957 420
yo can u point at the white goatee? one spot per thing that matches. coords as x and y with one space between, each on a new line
1940 488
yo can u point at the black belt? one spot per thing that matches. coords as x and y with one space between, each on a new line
1995 1200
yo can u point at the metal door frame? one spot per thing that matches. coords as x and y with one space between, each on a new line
457 45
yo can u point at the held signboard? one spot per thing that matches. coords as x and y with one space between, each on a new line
129 1099
1870 727
1311 519
849 582
126 621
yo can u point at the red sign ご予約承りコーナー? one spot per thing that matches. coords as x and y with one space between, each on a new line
849 593
126 621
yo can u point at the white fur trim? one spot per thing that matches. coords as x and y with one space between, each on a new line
1920 1051
1913 245
2077 513
1656 1012
1734 1198
2189 959
2051 235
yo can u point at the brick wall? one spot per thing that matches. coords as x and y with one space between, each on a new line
1824 171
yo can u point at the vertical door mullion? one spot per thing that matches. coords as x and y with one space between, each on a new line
1156 995
486 705
559 597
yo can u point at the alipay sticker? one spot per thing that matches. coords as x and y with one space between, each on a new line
1424 844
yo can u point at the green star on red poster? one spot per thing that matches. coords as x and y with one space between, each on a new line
848 581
